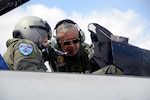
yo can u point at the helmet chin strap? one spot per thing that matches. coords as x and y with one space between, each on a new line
39 43
40 46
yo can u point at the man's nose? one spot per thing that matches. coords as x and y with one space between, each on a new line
71 44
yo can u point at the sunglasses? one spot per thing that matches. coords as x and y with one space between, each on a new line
74 41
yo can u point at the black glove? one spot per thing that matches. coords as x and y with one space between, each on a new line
48 53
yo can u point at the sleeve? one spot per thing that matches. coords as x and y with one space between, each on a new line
3 65
28 57
109 69
88 68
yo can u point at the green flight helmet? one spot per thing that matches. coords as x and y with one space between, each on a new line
32 28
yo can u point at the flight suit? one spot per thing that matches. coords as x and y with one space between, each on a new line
75 64
23 54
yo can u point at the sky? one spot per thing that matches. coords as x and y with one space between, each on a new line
127 18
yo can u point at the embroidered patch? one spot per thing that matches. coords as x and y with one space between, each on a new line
60 61
25 49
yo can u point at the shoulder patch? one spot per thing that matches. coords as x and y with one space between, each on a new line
25 49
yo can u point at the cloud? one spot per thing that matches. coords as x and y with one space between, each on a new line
123 23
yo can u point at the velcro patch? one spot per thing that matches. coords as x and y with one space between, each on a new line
25 49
